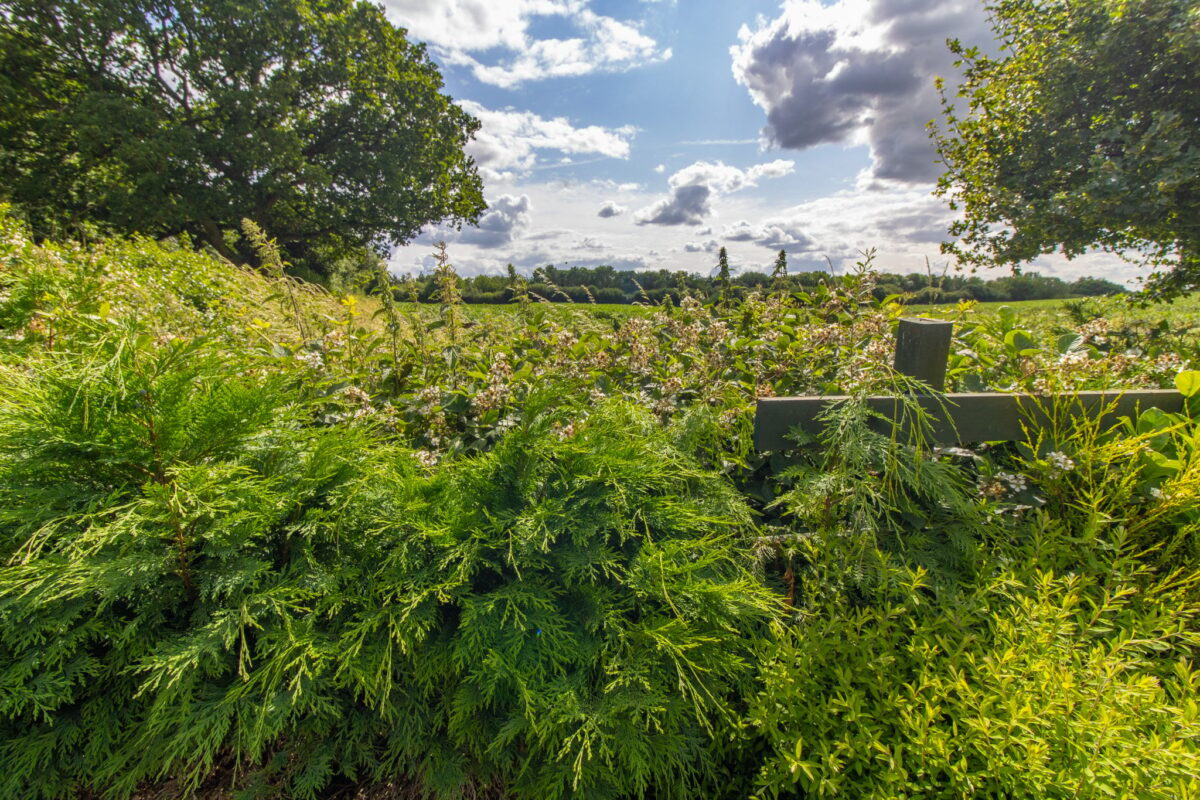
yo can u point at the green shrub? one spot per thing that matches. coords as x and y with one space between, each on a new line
1031 642
195 576
1028 685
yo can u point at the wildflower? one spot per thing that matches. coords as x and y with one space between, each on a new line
1001 485
311 359
992 489
426 458
1016 483
497 390
357 395
1059 462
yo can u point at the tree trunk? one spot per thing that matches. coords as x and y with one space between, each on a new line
213 235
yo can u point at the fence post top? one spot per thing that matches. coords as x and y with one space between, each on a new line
926 321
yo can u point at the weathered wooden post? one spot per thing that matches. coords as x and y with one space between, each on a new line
923 349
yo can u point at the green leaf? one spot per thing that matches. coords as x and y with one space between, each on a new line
1069 342
1188 383
1021 341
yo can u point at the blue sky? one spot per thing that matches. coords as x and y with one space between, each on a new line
649 133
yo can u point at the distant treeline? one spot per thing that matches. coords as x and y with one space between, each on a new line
605 284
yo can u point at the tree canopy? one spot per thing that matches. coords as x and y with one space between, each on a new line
318 119
1083 132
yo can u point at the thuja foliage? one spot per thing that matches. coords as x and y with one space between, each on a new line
194 577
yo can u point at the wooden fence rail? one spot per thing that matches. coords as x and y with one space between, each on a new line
922 350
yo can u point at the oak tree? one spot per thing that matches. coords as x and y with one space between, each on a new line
318 119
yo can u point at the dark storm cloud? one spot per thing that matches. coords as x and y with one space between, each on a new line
819 83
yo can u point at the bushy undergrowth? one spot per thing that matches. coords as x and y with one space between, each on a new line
259 541
196 577
1021 684
1000 650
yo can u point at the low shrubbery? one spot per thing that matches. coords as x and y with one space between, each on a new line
197 577
259 541
1021 683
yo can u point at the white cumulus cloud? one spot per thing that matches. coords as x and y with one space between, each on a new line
508 217
508 141
492 38
694 187
859 72
776 234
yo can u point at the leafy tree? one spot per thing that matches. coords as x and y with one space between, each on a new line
724 281
318 119
1091 287
1083 132
779 274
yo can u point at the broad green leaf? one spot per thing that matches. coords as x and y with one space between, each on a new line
1021 341
1188 383
1068 342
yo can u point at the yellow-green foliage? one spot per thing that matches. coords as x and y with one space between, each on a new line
1056 660
1023 684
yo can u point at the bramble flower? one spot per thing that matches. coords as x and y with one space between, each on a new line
357 395
1000 485
992 489
1059 462
1016 483
311 359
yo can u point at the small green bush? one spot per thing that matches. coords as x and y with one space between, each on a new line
1029 685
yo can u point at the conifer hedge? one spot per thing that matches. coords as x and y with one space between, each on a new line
195 577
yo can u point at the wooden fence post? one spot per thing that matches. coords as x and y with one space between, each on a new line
923 349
